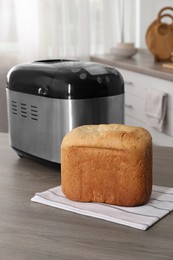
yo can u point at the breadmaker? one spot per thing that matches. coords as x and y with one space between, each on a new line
48 98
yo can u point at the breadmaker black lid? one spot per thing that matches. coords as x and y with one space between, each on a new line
65 79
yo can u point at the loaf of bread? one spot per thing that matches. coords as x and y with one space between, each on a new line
107 163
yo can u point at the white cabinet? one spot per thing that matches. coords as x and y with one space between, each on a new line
136 85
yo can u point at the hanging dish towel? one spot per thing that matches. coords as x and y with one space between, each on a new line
142 217
156 103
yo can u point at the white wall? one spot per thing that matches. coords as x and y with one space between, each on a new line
148 11
7 61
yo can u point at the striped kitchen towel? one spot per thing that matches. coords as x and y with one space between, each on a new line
141 217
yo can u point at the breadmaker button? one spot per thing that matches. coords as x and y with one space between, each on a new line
43 91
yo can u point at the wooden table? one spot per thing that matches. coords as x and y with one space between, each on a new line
30 231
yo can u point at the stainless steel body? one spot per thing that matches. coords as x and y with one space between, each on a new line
37 124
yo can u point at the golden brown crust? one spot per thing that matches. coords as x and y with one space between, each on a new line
107 163
107 136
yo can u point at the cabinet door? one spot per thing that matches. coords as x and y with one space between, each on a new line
136 86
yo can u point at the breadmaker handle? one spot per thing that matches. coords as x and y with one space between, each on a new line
54 60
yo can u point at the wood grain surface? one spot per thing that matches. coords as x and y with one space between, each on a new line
33 231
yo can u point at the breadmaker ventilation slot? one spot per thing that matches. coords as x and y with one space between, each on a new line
23 110
14 107
34 113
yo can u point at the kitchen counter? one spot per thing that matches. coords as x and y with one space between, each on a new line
142 62
30 230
